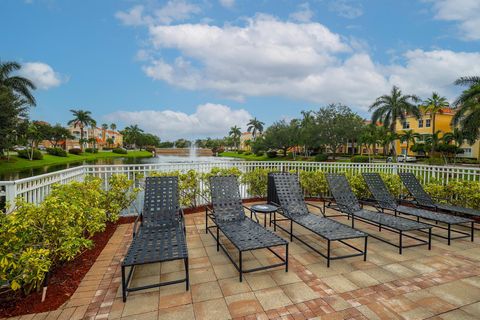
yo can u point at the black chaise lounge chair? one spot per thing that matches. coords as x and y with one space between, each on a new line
347 202
228 216
423 199
160 235
385 201
285 192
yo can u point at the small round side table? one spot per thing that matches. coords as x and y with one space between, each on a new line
266 209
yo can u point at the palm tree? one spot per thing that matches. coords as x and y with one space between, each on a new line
93 141
255 126
435 104
104 126
409 136
235 133
388 109
82 119
433 140
113 127
456 136
16 84
110 141
467 104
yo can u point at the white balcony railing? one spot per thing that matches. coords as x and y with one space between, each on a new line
34 189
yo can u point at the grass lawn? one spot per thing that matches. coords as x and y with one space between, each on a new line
253 157
16 164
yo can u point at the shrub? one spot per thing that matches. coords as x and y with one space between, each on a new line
435 161
119 151
76 151
248 153
91 150
150 149
256 181
34 238
360 159
25 154
59 152
188 184
321 157
313 183
272 153
259 153
457 192
240 151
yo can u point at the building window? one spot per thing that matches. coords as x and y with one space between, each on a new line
427 123
467 151
420 123
406 125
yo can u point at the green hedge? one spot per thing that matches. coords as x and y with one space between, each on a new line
35 238
91 150
59 152
119 151
75 151
25 154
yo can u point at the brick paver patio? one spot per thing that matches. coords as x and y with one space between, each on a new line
443 283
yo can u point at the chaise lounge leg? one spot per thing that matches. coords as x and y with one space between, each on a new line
449 235
286 257
291 230
124 285
473 230
365 250
187 274
328 253
240 265
218 239
206 221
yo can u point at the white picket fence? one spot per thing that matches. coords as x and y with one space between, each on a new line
34 189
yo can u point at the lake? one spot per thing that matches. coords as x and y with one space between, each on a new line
159 159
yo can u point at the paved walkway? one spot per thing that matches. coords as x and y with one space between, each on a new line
443 283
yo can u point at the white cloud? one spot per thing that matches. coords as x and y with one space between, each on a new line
349 9
465 12
269 57
133 17
42 75
173 10
227 3
304 13
209 120
427 71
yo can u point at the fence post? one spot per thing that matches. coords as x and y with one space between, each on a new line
10 196
395 168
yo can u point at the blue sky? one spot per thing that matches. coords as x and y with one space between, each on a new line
185 68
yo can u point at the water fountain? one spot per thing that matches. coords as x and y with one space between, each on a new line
192 153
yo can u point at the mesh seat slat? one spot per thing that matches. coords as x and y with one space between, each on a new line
348 203
424 199
230 217
288 194
385 200
156 245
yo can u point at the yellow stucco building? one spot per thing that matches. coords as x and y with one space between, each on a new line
425 125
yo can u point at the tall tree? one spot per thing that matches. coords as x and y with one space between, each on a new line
435 105
335 123
388 109
113 126
82 119
255 126
235 133
280 135
467 106
18 85
104 126
13 113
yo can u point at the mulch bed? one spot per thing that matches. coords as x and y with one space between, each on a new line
63 281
